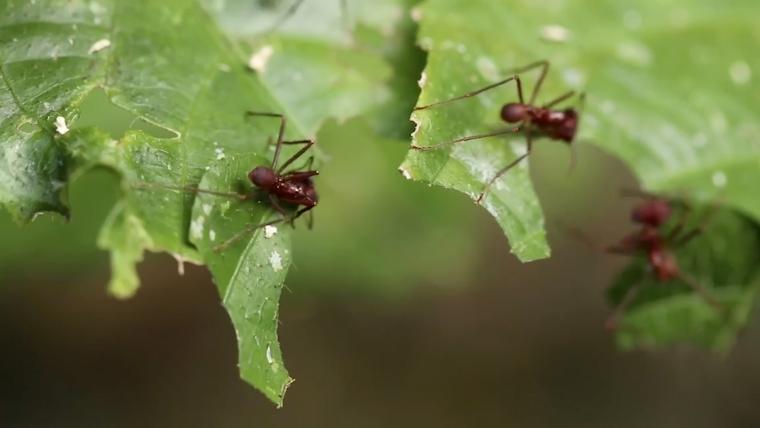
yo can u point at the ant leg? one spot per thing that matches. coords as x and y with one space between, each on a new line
544 65
307 145
189 189
613 321
251 228
276 205
310 222
463 139
559 99
243 233
299 175
688 236
696 286
467 95
280 134
529 143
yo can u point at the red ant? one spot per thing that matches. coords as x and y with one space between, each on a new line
294 187
542 120
652 214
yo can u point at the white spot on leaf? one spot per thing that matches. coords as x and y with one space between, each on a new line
740 72
719 179
487 68
60 125
196 227
211 235
219 153
99 46
635 53
259 59
555 33
270 231
416 14
270 360
275 260
573 77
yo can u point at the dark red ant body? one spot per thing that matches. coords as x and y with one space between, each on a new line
652 214
559 125
294 187
555 124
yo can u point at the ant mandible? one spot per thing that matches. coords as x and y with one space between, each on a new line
652 213
294 187
533 120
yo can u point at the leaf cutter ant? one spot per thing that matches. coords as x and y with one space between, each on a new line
293 187
532 120
651 214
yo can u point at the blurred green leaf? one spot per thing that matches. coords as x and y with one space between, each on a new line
171 66
670 91
375 234
725 260
311 62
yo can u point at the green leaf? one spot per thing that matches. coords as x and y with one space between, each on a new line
670 91
125 237
307 59
170 65
249 274
725 260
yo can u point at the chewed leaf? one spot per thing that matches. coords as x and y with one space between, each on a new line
170 65
670 92
461 59
125 237
725 261
249 272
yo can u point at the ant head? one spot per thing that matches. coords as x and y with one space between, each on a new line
514 112
263 177
652 212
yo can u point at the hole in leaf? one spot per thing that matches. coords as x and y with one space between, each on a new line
28 127
98 111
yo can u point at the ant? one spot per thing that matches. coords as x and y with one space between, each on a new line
294 187
533 120
651 214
